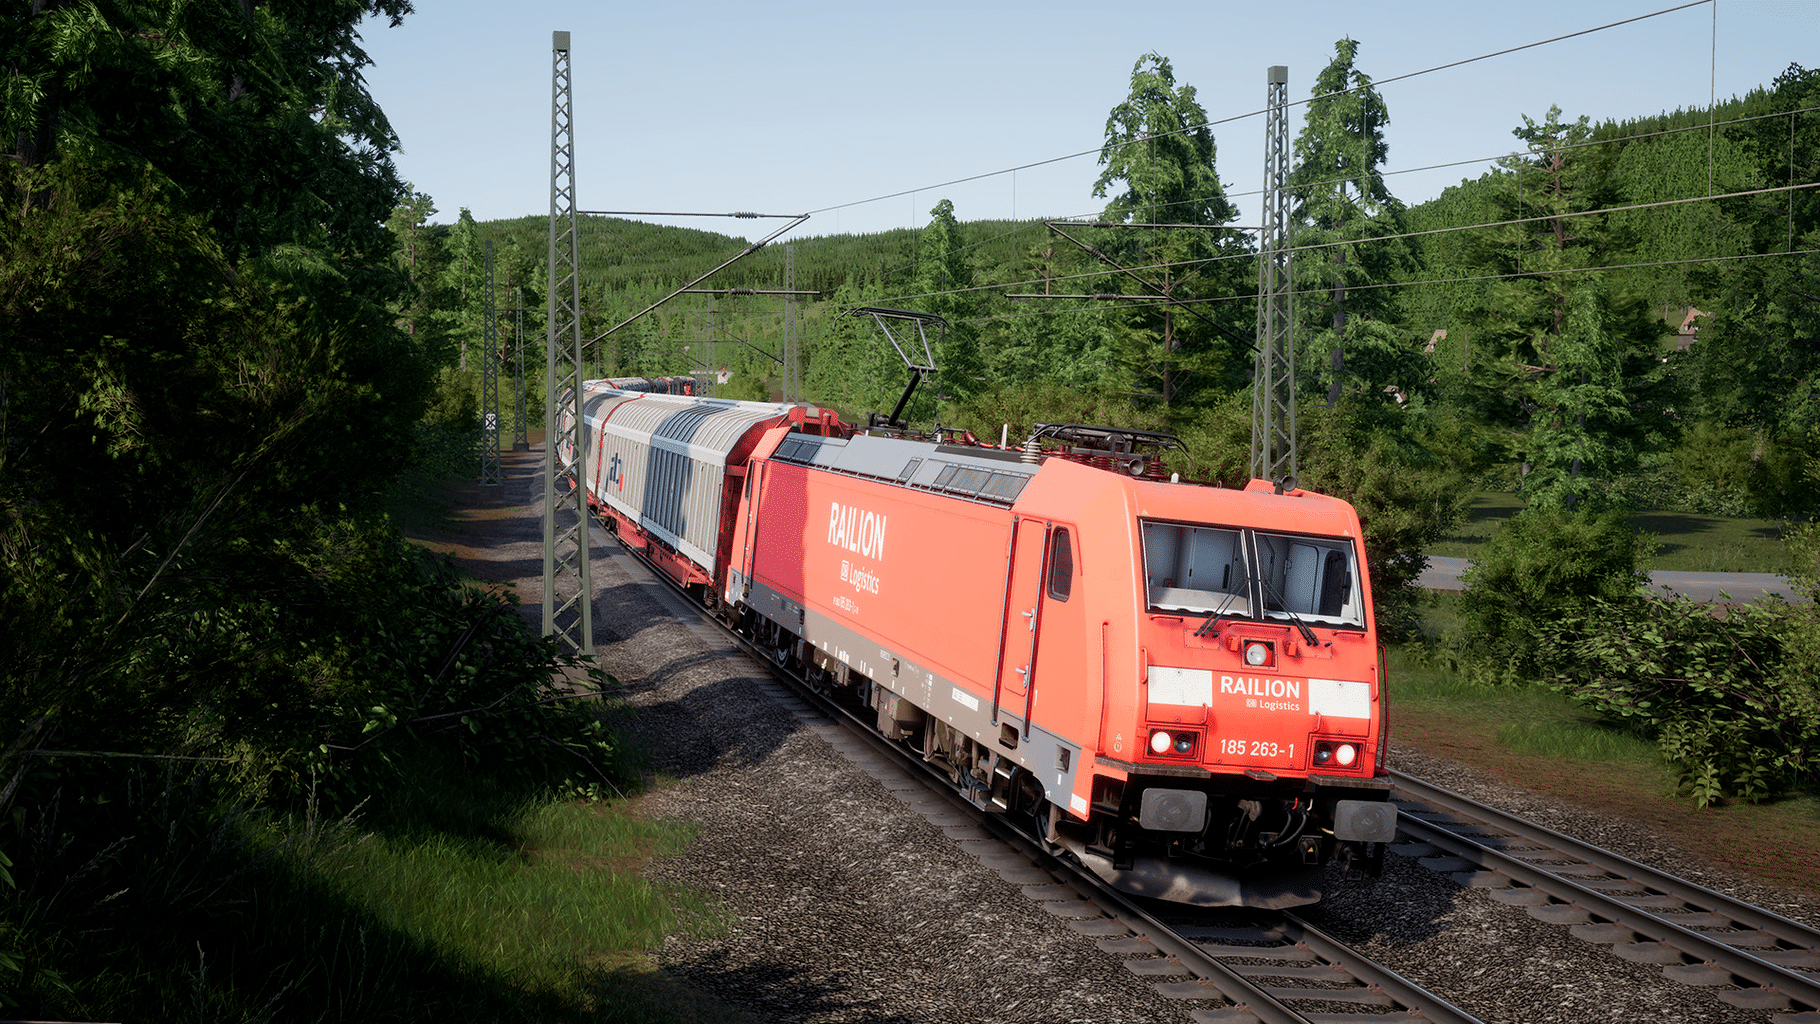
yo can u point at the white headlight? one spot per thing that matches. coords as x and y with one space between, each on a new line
1256 655
1159 742
1347 754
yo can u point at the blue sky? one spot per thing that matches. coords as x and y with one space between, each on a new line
793 107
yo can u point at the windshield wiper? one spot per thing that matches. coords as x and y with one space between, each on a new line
1214 616
1307 634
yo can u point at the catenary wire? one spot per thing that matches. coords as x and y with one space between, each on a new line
1254 113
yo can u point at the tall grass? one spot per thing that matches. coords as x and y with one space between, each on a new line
534 912
1528 719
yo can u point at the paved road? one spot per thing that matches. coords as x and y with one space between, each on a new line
1444 574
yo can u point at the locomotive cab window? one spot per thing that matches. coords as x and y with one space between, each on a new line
1210 570
1061 565
1312 578
1198 569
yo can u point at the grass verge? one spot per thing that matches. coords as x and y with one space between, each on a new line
1540 740
1527 720
451 898
1688 542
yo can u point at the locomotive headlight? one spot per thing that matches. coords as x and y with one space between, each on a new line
1184 743
1160 742
1346 755
1259 655
1323 754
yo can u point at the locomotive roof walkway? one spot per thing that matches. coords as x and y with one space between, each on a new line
1444 574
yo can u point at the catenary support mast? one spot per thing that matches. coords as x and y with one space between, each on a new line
489 387
565 524
1273 427
793 365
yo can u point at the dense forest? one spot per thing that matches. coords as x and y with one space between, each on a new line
230 331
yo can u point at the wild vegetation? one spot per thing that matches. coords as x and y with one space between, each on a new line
263 759
214 646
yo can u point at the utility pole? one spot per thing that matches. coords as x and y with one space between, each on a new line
565 547
1273 429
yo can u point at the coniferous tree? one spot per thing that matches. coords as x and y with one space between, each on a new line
1544 255
1160 149
1342 212
1758 365
944 274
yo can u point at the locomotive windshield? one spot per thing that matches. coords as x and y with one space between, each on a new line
1244 574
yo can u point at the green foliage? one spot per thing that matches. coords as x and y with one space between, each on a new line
1542 566
257 113
1016 410
744 387
456 400
1785 480
1406 498
944 274
1160 149
1575 444
1343 213
1710 687
1803 655
853 368
1713 456
1158 144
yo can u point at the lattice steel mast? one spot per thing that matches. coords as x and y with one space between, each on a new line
489 387
1273 428
565 523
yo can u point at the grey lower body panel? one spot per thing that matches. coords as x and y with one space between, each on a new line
1041 753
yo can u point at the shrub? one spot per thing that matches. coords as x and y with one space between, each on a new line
1406 501
1713 687
1543 566
1714 456
1785 481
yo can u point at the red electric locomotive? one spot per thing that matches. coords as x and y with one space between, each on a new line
1179 684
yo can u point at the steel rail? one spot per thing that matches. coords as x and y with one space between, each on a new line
1798 987
1247 997
1265 1003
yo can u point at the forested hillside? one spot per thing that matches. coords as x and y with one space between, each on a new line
1526 321
228 330
1621 316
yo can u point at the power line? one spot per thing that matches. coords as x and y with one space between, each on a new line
1260 111
1469 161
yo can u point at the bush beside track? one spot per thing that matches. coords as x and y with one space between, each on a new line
313 774
1730 694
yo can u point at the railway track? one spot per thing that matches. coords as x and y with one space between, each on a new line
1276 968
1231 968
1281 970
1757 959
